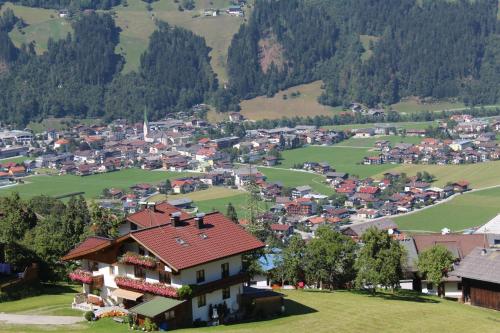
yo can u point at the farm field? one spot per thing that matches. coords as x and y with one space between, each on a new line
340 311
462 212
479 175
42 24
91 185
292 178
306 104
412 106
342 159
216 192
405 125
370 142
60 123
239 202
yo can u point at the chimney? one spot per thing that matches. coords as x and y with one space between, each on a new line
198 220
175 219
152 206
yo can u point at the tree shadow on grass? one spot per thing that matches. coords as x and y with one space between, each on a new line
292 308
56 289
400 295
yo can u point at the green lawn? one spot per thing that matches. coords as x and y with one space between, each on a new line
341 311
340 158
55 301
239 202
463 212
292 178
91 185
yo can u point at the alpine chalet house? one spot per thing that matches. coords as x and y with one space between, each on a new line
145 269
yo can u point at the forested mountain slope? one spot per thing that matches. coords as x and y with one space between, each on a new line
80 75
433 48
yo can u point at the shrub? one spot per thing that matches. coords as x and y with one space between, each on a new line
185 292
89 315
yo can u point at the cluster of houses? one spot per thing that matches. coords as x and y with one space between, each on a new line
361 199
435 151
171 144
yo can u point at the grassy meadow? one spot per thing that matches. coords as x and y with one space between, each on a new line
292 178
42 24
412 106
462 212
370 142
137 24
306 104
309 311
91 185
342 159
479 175
405 125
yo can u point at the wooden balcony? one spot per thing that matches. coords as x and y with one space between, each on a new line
221 283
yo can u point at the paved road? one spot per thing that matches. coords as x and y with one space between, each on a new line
10 318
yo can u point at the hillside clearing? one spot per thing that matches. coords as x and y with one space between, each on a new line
42 25
305 104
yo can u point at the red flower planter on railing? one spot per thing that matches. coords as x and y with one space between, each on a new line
141 285
81 275
137 259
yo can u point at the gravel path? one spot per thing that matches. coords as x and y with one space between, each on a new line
10 318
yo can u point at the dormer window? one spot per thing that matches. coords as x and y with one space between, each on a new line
203 236
180 241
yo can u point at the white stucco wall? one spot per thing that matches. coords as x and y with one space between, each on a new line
215 298
212 271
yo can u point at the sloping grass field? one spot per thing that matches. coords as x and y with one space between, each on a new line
42 24
340 311
91 185
463 212
306 104
137 24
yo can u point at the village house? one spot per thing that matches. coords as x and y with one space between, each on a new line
148 268
479 273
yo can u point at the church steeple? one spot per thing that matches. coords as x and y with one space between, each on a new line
145 129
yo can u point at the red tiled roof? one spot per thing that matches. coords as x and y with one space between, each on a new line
280 227
153 217
89 244
219 238
369 189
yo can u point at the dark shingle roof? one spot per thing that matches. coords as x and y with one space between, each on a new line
480 264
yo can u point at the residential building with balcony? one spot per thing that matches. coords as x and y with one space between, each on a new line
150 267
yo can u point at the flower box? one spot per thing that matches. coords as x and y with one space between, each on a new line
82 276
137 259
141 285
